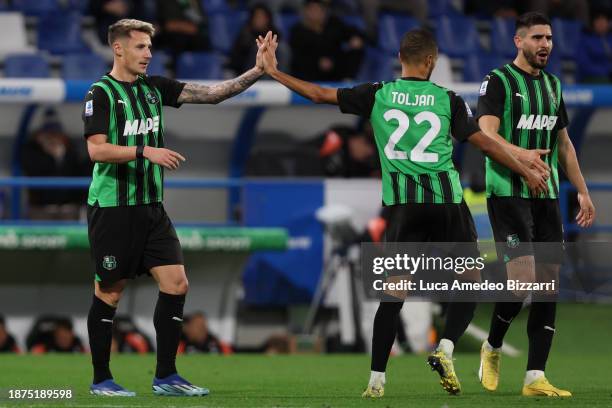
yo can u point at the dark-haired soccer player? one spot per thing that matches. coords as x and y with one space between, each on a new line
413 120
523 103
129 231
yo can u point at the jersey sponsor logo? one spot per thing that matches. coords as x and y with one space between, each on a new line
403 98
141 126
537 122
109 262
89 108
151 98
483 87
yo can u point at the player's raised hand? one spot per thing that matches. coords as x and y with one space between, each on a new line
533 160
164 157
586 215
262 45
536 182
269 51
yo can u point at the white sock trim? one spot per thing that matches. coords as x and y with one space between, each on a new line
489 347
447 347
532 375
376 378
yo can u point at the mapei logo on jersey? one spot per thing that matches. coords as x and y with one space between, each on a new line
537 122
109 262
89 108
141 126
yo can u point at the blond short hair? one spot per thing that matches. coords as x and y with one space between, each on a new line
122 29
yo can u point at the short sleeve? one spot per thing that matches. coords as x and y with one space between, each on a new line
96 112
563 120
170 89
463 124
491 97
358 100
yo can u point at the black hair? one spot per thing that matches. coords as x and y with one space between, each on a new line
417 44
528 20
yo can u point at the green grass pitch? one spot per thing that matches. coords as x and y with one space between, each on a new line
580 361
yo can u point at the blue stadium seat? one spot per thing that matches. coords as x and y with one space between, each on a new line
457 36
477 65
437 8
61 33
157 65
502 37
284 22
391 29
554 65
376 66
83 66
37 7
566 35
224 27
26 66
213 6
199 65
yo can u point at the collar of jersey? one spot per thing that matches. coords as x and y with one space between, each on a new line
525 73
123 82
413 79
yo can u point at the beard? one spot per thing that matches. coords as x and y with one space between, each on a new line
532 59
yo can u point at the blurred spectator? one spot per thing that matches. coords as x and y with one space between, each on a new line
50 153
347 152
323 48
594 56
108 12
197 338
7 341
244 50
184 26
570 9
280 344
61 340
127 338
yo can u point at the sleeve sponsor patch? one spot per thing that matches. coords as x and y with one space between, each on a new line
89 108
483 87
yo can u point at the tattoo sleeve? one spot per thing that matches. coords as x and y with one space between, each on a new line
196 93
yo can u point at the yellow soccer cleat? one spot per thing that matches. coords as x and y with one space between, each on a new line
438 361
488 373
374 391
542 388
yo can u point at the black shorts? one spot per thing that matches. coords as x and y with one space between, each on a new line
413 222
527 227
128 241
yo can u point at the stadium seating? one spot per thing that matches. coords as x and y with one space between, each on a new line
37 7
502 37
566 35
13 38
437 8
199 65
213 6
157 65
284 22
60 33
478 65
224 27
457 36
391 28
376 66
83 66
26 66
354 21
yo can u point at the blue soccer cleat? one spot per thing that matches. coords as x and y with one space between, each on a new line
110 388
176 386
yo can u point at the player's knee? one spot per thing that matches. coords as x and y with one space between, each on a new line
109 297
178 286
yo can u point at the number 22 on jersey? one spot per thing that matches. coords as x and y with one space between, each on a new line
418 153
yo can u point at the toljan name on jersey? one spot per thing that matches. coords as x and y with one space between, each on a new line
404 98
459 285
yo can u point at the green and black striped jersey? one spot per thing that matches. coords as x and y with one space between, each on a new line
129 114
531 112
413 120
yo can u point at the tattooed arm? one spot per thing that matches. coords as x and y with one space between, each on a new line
196 93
